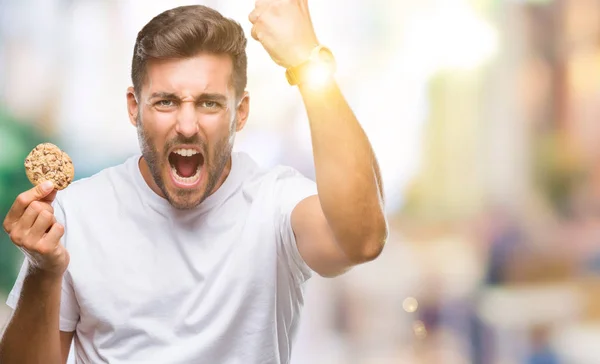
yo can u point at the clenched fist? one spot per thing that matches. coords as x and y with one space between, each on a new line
32 227
285 30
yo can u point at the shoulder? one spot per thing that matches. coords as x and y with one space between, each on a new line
282 185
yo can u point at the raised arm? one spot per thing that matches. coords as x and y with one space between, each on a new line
345 224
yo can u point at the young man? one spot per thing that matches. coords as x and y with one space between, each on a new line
189 253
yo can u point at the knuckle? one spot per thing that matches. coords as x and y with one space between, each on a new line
21 199
48 245
46 215
36 206
16 237
254 33
6 226
46 206
60 229
44 248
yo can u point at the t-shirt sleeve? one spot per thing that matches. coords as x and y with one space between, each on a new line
291 188
69 309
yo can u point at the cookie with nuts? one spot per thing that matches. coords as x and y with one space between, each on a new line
47 162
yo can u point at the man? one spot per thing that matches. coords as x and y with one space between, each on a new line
190 253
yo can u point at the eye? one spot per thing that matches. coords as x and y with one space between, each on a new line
209 104
164 104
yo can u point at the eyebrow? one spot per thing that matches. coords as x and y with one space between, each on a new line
204 96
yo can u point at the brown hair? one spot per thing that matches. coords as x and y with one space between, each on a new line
184 32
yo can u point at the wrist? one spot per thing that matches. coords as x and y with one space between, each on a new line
43 276
316 71
302 54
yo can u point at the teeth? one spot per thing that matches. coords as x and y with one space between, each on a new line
186 152
186 180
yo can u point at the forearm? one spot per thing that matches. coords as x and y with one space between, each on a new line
347 173
33 335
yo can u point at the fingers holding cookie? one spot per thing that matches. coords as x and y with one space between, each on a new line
38 198
32 226
41 225
36 211
30 222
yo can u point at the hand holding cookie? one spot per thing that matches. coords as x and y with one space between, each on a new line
32 227
30 221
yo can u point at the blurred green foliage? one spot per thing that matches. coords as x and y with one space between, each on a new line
17 138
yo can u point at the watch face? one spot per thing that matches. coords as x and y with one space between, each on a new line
320 67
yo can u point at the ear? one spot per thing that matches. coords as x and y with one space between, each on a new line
242 111
132 106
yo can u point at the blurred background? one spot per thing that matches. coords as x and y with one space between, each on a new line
484 117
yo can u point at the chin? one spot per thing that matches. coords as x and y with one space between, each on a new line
184 204
185 201
184 195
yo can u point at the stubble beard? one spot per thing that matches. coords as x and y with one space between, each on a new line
214 165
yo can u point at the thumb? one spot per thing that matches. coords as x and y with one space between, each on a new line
50 197
45 191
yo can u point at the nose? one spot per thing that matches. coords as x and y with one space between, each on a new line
187 120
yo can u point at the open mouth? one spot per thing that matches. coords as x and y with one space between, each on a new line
186 164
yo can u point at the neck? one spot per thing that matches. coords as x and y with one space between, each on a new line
223 176
147 175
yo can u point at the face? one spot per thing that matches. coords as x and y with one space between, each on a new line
186 117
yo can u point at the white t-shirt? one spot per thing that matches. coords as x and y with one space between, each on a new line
222 283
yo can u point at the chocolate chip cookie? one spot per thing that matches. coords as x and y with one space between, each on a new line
47 162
